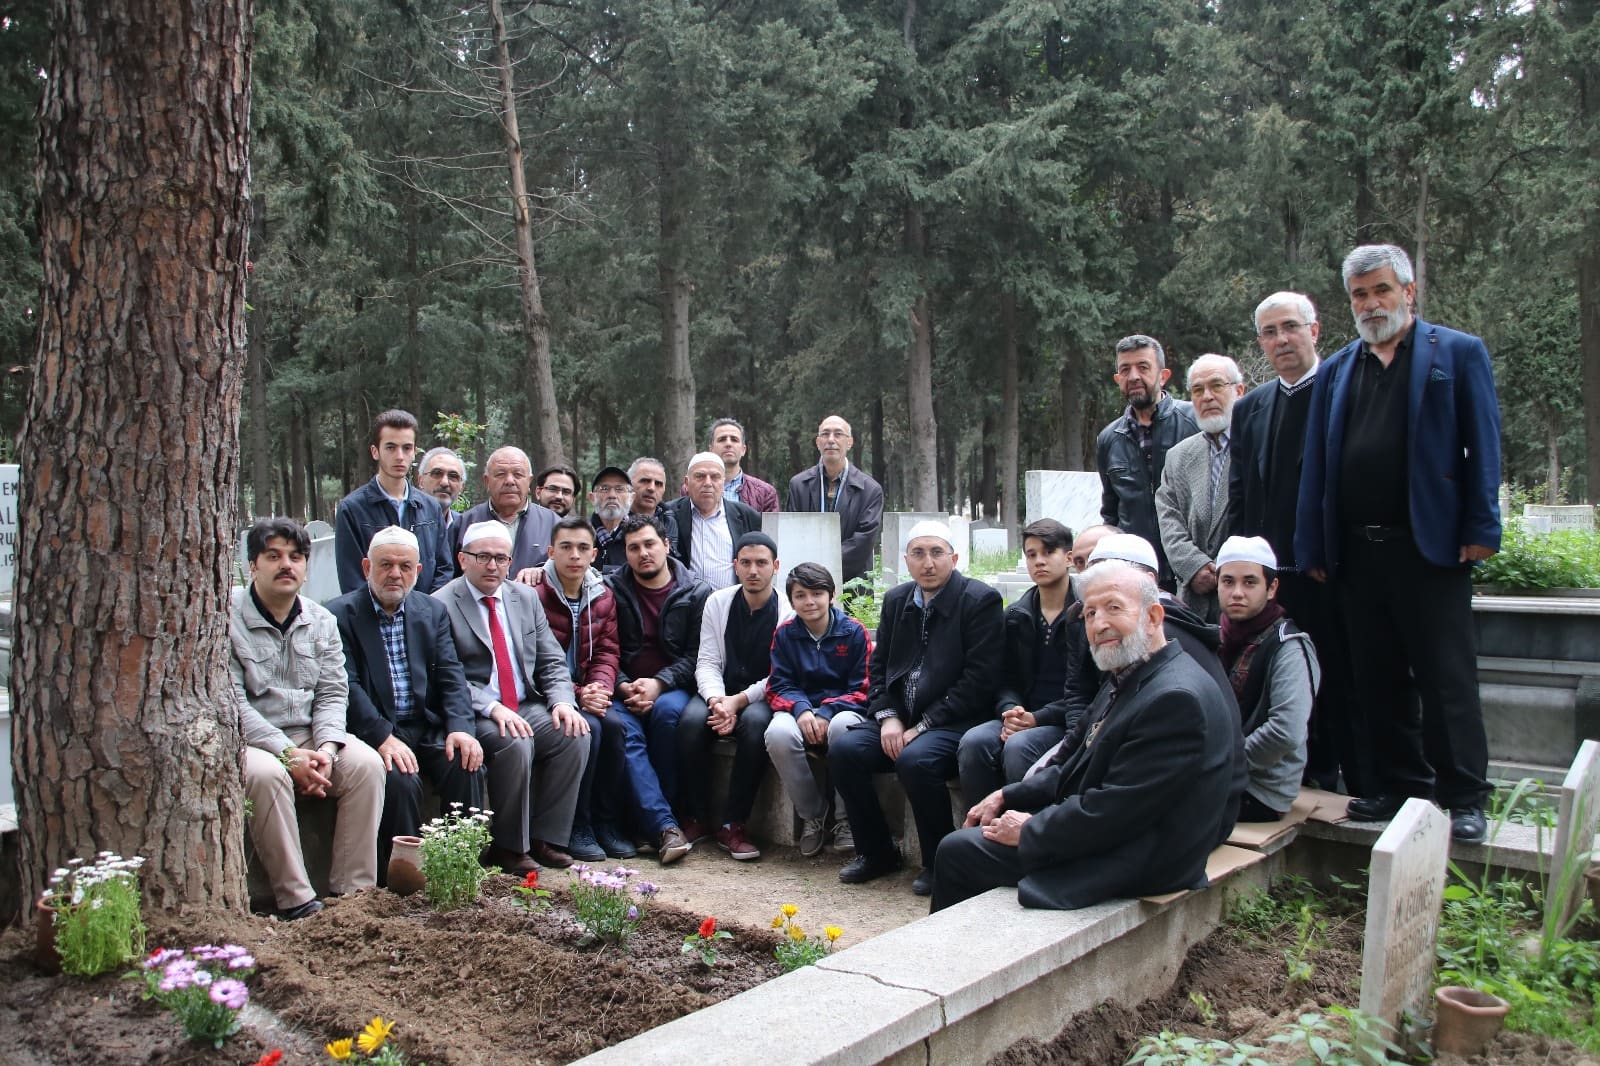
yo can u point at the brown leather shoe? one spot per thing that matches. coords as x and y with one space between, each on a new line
673 845
511 862
549 855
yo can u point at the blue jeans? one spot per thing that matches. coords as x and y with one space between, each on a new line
649 756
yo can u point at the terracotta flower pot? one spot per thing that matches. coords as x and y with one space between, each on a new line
1466 1019
405 866
44 929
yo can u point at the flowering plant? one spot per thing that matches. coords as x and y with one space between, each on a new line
703 942
606 908
371 1043
530 895
450 849
203 986
95 908
797 949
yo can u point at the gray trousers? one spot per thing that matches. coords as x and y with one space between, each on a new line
786 747
533 782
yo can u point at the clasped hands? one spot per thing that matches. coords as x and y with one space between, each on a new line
999 825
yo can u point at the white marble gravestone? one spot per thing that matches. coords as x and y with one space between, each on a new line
1576 824
989 540
1405 893
1557 518
805 537
322 571
892 545
1071 497
9 486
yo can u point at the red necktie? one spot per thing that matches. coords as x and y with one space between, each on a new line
502 656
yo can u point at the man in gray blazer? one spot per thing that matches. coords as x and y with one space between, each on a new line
521 688
835 485
1192 502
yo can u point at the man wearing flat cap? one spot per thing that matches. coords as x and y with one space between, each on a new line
709 524
935 671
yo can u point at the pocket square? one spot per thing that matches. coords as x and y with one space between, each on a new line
1438 375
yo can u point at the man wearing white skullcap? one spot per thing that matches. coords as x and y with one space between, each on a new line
708 523
1274 672
408 695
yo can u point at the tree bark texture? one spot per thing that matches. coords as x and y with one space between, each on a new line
1010 421
677 409
541 384
126 735
924 475
1073 401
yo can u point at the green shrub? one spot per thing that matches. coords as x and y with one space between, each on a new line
1567 558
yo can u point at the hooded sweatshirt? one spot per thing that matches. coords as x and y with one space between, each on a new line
594 622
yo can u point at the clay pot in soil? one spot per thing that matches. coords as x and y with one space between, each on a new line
405 866
1466 1019
44 929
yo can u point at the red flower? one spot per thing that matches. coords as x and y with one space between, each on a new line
708 928
532 880
271 1058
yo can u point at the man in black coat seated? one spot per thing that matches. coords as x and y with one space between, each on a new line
933 676
1134 801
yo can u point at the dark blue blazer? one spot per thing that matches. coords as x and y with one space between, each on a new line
439 690
367 510
1452 451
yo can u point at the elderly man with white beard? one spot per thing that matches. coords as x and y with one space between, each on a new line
1192 502
1133 802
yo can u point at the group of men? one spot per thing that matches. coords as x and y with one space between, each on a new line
1267 564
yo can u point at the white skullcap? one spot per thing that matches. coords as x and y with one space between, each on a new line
930 527
393 535
485 530
706 457
1127 547
1247 550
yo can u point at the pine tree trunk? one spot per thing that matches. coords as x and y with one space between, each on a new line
540 380
1010 421
924 486
676 412
1073 402
126 735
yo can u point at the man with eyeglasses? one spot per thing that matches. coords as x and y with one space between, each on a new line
556 487
1399 498
521 690
1192 502
443 475
1131 452
1268 445
936 667
611 495
836 485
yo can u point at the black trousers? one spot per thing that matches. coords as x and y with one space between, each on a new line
402 793
1412 642
1338 736
923 767
695 738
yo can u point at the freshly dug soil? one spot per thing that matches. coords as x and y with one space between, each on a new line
485 984
1247 985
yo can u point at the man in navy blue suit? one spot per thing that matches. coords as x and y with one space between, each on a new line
1398 498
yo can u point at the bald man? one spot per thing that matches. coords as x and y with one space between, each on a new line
835 485
508 484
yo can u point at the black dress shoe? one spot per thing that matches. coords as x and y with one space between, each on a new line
1467 824
864 868
1375 808
923 885
305 910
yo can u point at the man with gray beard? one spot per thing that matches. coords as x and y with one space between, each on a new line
1135 800
1192 502
610 494
1399 497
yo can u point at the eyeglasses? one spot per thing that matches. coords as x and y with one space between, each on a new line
830 434
611 490
1216 386
922 554
557 490
443 475
1286 329
487 559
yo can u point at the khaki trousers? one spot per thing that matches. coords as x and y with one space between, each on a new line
358 779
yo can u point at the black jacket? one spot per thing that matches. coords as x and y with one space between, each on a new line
1127 485
961 668
740 518
367 510
1249 447
1021 657
1137 807
439 690
860 509
679 632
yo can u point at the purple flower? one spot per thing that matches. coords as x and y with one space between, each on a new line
241 962
647 888
230 993
633 913
162 957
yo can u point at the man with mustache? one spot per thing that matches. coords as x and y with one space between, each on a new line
443 475
1131 452
611 496
1398 498
1192 503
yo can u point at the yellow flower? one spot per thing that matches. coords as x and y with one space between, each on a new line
796 933
339 1050
789 910
833 932
373 1036
777 922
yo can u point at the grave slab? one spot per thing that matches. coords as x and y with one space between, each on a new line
805 537
989 540
1560 517
1405 893
1577 820
322 571
892 547
10 485
1071 497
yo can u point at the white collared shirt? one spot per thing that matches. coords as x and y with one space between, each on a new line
711 547
491 688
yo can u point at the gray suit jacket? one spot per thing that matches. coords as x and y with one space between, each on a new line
535 650
1193 522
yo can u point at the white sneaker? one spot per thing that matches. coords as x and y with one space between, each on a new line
813 832
844 842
